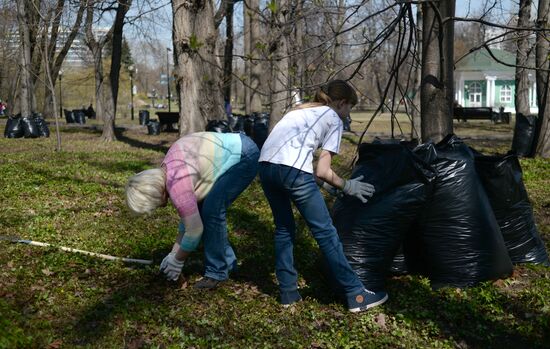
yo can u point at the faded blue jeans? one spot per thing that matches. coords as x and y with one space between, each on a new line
283 185
219 257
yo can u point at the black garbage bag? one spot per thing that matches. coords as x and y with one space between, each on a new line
260 129
220 126
238 125
79 116
14 127
373 233
248 124
30 130
502 179
69 117
457 241
43 130
153 127
143 117
524 134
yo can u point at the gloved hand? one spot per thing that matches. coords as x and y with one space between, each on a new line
330 189
171 267
360 190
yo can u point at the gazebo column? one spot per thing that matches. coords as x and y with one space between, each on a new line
490 91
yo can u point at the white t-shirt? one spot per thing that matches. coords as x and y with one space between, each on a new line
299 134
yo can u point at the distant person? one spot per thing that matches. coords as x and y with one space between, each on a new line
287 176
202 174
228 108
3 107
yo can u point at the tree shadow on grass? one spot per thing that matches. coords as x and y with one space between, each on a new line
256 251
474 320
156 144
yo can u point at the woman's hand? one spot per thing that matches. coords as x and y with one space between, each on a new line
171 266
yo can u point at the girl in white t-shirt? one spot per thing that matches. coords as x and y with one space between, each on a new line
287 175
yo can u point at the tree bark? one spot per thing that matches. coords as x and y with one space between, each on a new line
253 64
542 132
522 56
279 63
54 61
416 112
108 134
437 70
228 51
197 67
25 103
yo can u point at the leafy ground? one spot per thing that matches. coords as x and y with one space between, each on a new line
74 198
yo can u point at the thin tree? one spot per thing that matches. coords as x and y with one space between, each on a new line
26 87
542 61
437 69
522 57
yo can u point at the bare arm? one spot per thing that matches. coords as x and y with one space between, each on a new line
325 173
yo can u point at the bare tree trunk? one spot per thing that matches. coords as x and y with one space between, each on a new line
542 134
337 53
228 51
522 56
437 70
197 66
279 84
25 103
111 97
253 65
96 47
298 62
416 112
54 62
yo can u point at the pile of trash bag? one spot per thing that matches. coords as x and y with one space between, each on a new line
33 126
439 210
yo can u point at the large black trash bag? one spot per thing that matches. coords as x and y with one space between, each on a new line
14 127
457 241
69 117
248 124
30 129
524 134
502 179
79 116
153 128
260 129
43 130
372 233
143 117
238 122
219 126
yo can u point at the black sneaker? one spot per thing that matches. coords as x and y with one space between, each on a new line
366 300
207 283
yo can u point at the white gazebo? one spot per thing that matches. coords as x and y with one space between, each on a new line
481 81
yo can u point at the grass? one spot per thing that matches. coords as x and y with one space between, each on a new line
74 198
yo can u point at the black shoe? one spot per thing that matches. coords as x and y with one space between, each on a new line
207 283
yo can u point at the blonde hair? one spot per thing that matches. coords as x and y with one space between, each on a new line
146 191
334 90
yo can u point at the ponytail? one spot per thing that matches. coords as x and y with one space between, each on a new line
334 90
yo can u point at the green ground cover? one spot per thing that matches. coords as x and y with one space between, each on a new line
74 198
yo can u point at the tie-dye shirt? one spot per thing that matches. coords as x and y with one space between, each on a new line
193 164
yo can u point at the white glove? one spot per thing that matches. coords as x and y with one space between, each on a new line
361 190
330 189
171 267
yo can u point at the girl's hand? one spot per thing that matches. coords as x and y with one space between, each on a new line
361 190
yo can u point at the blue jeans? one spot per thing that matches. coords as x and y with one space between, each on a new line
283 185
219 257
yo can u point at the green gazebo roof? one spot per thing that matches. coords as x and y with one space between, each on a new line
481 60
